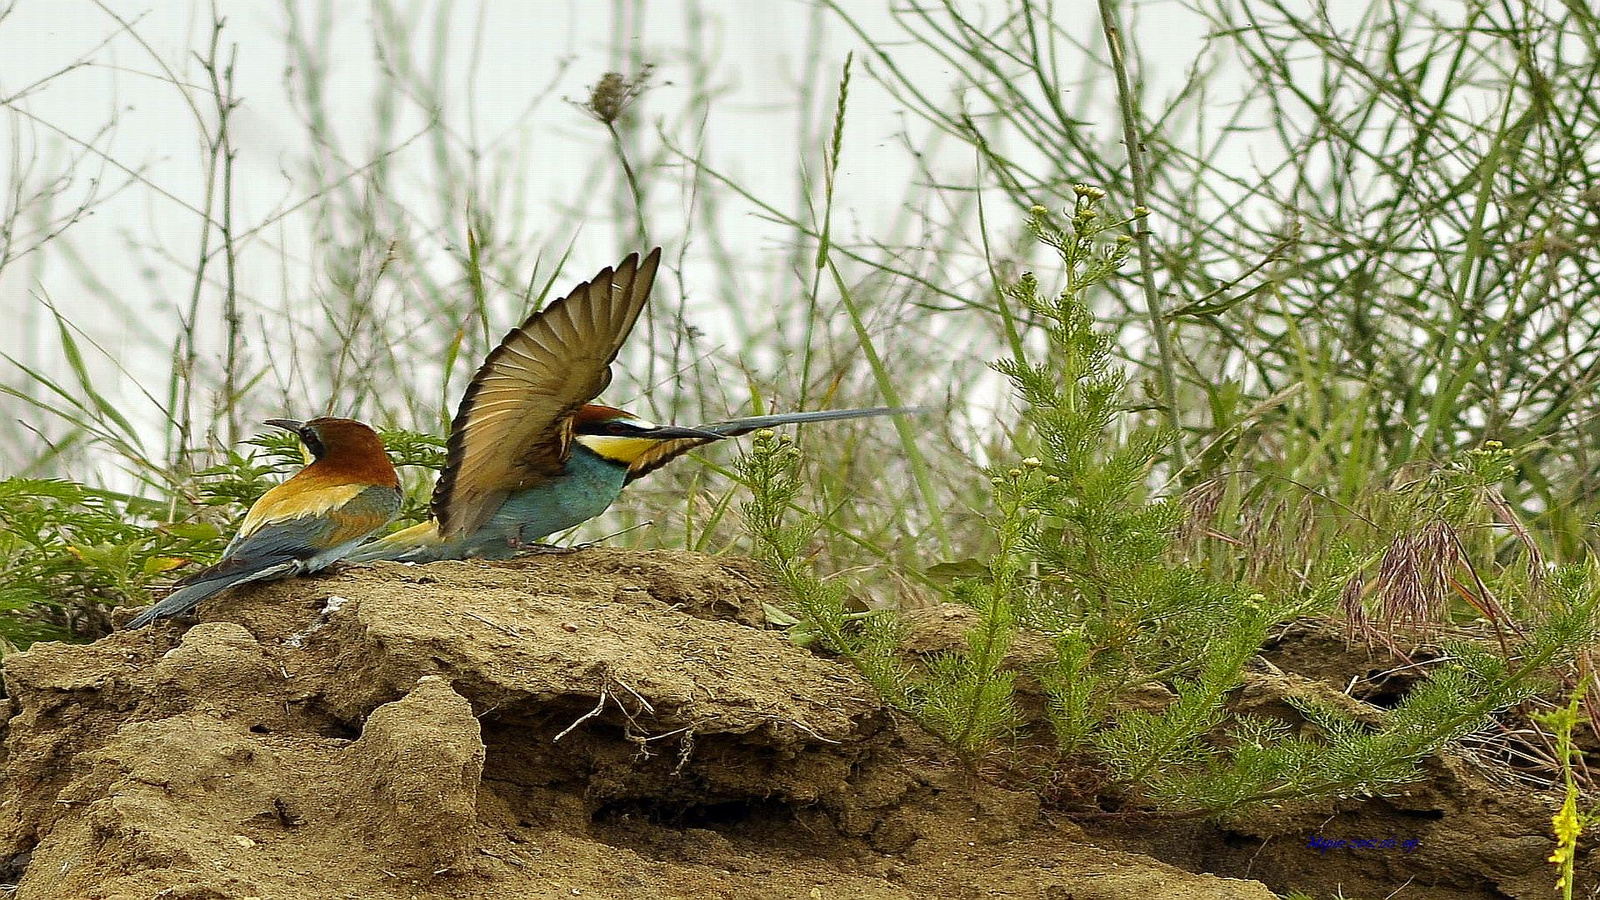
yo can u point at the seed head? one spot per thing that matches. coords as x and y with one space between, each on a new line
614 93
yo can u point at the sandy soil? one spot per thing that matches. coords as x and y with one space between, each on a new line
607 724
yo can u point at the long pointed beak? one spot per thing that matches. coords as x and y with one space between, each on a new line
286 424
732 427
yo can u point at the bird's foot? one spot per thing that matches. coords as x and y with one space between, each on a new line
337 567
534 547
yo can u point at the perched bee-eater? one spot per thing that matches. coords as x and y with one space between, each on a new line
348 491
530 454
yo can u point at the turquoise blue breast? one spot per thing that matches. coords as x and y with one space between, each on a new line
588 487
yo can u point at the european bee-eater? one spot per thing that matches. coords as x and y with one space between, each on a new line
348 491
530 454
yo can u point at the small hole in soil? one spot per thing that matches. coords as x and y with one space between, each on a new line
1426 815
711 816
13 866
260 729
343 731
1384 689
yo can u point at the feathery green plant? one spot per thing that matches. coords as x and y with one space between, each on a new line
1088 560
771 470
1085 551
68 550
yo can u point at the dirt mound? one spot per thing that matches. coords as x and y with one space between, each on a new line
601 724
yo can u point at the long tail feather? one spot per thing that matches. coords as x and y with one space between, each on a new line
201 588
735 427
667 451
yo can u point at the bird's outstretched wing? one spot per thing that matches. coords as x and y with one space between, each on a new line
513 429
667 451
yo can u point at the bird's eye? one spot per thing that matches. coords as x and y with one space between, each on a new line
616 428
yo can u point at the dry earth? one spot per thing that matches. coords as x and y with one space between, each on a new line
602 724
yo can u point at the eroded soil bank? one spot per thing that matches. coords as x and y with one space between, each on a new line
599 724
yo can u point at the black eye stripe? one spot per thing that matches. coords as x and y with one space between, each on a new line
313 441
611 429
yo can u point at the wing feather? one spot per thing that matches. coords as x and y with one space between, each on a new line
513 429
663 452
280 530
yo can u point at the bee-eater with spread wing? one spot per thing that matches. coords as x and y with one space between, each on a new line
306 523
530 454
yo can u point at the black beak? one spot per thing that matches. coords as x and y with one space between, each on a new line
287 424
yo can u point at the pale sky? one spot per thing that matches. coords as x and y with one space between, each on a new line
103 105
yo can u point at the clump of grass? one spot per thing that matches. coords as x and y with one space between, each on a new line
1360 271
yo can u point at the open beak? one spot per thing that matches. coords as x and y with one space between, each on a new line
286 424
